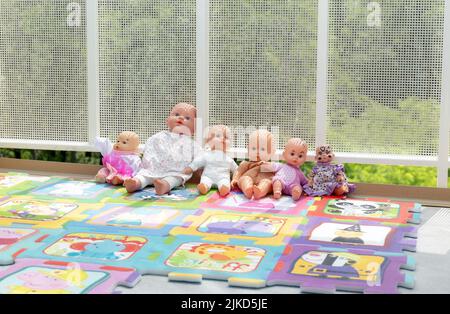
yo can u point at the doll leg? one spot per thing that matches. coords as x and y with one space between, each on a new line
277 189
262 189
116 180
341 190
101 175
205 185
164 185
137 183
224 187
246 185
296 192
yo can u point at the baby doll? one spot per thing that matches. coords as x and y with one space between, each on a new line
168 153
327 178
121 160
289 179
254 177
217 165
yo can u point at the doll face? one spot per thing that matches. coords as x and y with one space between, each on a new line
260 146
295 154
182 119
324 154
219 138
127 142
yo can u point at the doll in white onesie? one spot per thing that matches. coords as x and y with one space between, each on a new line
168 153
215 163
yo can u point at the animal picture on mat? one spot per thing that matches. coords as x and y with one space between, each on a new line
237 201
96 246
10 236
216 257
45 280
139 217
34 209
242 225
174 195
340 265
353 234
362 208
8 180
72 189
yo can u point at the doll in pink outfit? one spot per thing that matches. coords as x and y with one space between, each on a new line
121 160
289 179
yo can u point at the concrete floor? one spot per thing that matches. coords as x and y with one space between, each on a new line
431 276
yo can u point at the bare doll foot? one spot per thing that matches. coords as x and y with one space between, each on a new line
277 195
258 193
248 192
202 188
132 185
224 190
296 193
116 181
341 190
161 186
100 178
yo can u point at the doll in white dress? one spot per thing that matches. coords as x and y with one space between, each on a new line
120 160
168 153
216 165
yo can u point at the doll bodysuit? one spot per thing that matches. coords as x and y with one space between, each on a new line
289 176
217 167
166 155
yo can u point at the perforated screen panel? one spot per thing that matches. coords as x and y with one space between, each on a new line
43 94
147 63
263 66
385 62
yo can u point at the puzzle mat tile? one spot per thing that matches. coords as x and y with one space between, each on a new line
263 229
182 198
14 240
236 201
117 248
360 234
13 183
320 270
40 276
192 259
75 190
154 219
375 209
41 213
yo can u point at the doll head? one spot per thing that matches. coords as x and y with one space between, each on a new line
127 142
182 119
261 146
219 138
324 154
295 152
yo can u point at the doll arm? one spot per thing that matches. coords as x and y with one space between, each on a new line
199 162
104 145
233 166
243 167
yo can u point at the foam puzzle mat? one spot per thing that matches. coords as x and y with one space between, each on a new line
59 235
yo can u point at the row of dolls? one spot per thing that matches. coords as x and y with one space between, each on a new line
171 157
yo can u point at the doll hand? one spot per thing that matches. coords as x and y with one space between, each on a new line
340 178
188 170
234 183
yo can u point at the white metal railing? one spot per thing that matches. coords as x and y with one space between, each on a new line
441 161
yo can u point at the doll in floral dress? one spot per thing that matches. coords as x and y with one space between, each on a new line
327 178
